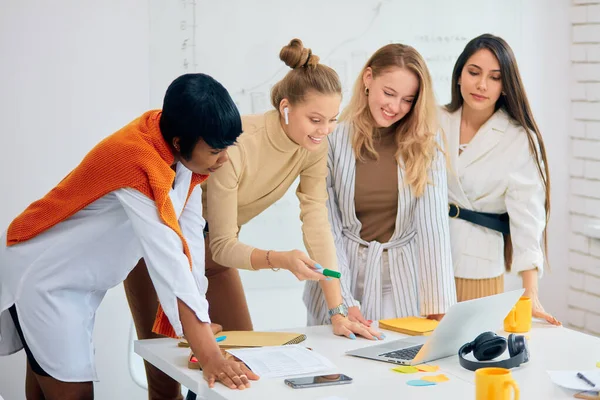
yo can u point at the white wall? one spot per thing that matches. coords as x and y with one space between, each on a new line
584 203
544 65
73 71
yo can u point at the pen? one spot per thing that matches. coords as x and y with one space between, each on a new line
586 380
221 338
332 274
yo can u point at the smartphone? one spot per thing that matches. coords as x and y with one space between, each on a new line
316 381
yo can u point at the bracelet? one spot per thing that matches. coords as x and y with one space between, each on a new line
269 262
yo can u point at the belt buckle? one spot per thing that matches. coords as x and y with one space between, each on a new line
457 210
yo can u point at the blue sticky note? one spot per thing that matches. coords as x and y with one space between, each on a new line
420 382
221 338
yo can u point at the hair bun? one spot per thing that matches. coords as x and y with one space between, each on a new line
295 55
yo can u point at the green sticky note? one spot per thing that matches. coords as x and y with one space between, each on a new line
420 382
405 369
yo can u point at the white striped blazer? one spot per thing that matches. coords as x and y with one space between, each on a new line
419 249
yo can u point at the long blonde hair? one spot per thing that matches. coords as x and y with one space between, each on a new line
307 74
415 133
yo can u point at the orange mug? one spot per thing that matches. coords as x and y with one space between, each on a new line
495 384
518 319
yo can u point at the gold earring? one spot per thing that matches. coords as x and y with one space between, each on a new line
366 91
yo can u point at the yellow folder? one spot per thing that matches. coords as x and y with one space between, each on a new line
413 326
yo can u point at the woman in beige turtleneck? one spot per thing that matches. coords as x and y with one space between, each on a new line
274 150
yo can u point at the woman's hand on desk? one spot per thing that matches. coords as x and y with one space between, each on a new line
538 310
530 283
355 315
342 326
233 374
298 264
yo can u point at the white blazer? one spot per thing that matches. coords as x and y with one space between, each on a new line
419 249
496 173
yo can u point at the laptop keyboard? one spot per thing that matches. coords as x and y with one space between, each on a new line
404 354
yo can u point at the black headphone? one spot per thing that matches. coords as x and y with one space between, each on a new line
488 346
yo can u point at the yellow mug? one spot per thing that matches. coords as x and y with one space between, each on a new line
494 384
518 319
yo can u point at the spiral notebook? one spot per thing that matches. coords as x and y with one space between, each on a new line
239 339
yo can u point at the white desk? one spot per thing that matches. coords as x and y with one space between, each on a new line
550 348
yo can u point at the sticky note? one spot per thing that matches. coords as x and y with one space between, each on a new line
436 378
420 382
427 368
598 364
405 369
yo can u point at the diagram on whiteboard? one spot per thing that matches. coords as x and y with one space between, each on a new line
238 42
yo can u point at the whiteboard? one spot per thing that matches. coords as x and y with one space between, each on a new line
238 43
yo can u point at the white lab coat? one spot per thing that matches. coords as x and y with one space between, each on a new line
58 278
420 263
495 173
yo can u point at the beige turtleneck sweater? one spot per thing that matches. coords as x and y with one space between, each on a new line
262 166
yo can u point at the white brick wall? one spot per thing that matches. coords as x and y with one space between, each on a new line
584 204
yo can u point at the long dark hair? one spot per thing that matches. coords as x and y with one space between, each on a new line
514 102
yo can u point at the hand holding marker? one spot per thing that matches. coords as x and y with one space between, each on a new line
328 272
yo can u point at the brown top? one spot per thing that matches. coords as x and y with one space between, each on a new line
376 191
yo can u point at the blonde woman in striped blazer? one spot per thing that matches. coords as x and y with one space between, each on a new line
388 196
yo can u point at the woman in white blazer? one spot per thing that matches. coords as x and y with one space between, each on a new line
387 196
498 183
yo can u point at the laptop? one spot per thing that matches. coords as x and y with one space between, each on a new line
462 323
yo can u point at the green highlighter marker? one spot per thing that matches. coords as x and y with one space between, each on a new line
332 274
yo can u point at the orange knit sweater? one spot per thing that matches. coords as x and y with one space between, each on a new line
135 157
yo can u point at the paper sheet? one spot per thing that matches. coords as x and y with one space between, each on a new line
282 361
569 379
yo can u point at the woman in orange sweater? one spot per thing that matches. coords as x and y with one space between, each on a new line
136 194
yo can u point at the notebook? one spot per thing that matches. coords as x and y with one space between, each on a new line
413 326
240 339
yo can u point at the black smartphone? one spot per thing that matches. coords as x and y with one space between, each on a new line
316 381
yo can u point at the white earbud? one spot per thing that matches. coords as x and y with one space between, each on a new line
285 115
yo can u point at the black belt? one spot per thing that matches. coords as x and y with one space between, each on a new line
497 222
